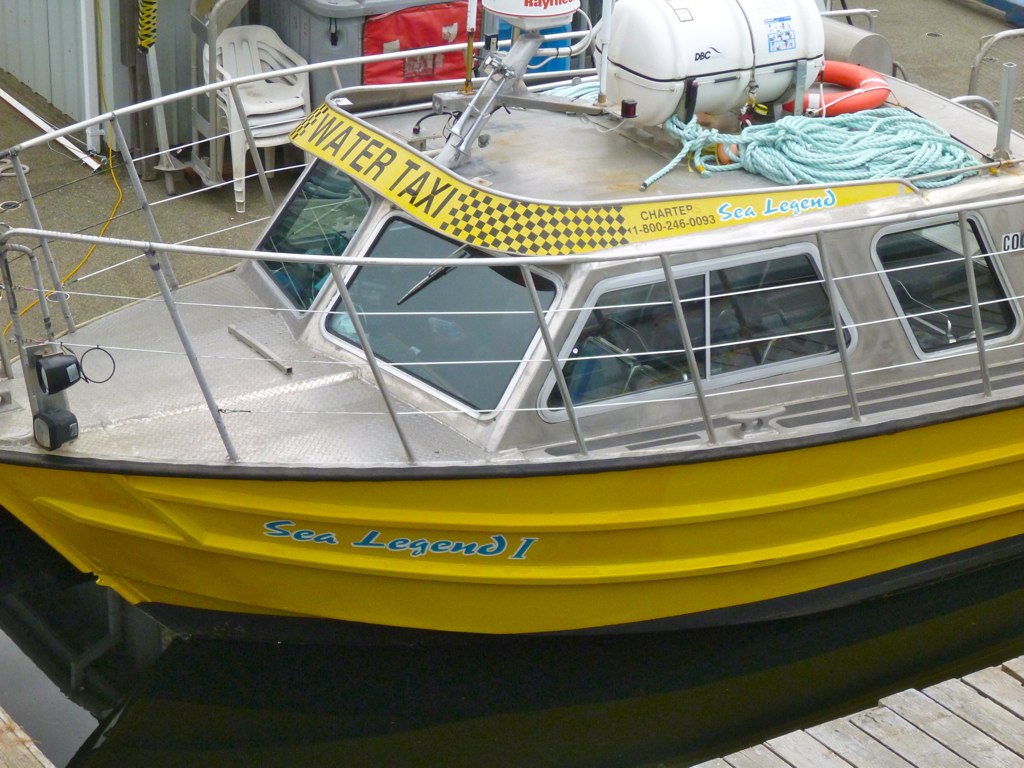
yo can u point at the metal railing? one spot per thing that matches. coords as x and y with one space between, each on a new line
549 322
157 251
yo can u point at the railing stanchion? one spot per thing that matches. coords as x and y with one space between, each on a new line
147 209
51 264
837 324
549 344
165 291
691 356
972 288
371 359
12 298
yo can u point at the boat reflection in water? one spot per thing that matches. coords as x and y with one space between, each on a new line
555 701
86 641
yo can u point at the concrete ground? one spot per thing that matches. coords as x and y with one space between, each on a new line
935 41
73 197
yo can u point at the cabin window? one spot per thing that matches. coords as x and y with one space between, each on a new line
760 314
463 329
320 219
925 269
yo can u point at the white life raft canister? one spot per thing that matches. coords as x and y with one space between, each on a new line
687 56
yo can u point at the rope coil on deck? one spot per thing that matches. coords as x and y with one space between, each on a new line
862 146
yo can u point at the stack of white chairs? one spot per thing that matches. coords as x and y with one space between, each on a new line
271 107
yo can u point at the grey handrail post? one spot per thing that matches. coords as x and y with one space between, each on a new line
51 264
190 353
5 276
837 324
691 356
179 325
12 299
972 289
371 359
549 344
1008 94
140 193
44 307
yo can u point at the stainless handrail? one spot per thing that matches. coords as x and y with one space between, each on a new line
693 242
840 330
986 45
337 264
206 88
870 14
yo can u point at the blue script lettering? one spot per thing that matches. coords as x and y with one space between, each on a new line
796 207
524 547
497 545
278 528
729 212
733 212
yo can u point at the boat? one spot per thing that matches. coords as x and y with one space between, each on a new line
522 358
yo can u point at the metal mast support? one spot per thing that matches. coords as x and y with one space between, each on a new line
506 72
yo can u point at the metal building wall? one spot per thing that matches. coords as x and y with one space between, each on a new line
61 49
50 46
42 47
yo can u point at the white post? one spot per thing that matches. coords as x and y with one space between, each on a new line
604 37
90 80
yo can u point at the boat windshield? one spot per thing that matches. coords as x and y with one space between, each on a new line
320 219
463 329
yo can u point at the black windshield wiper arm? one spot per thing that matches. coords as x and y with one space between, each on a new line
434 274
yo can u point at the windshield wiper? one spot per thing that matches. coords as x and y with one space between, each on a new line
434 274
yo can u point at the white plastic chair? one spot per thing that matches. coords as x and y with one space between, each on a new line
272 107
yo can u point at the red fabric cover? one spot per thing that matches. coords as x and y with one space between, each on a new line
427 25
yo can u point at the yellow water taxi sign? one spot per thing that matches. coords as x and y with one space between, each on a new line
472 214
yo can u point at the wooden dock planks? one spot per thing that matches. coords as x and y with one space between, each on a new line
17 750
974 722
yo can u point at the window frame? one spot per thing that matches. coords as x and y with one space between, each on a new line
980 231
369 218
396 369
714 381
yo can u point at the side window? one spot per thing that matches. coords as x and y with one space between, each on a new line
759 313
768 312
631 342
320 219
925 269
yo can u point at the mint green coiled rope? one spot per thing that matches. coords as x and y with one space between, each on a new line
862 146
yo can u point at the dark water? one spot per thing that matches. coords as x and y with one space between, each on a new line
150 700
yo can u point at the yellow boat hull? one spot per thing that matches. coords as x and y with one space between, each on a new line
540 553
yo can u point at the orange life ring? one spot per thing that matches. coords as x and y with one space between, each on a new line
868 90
